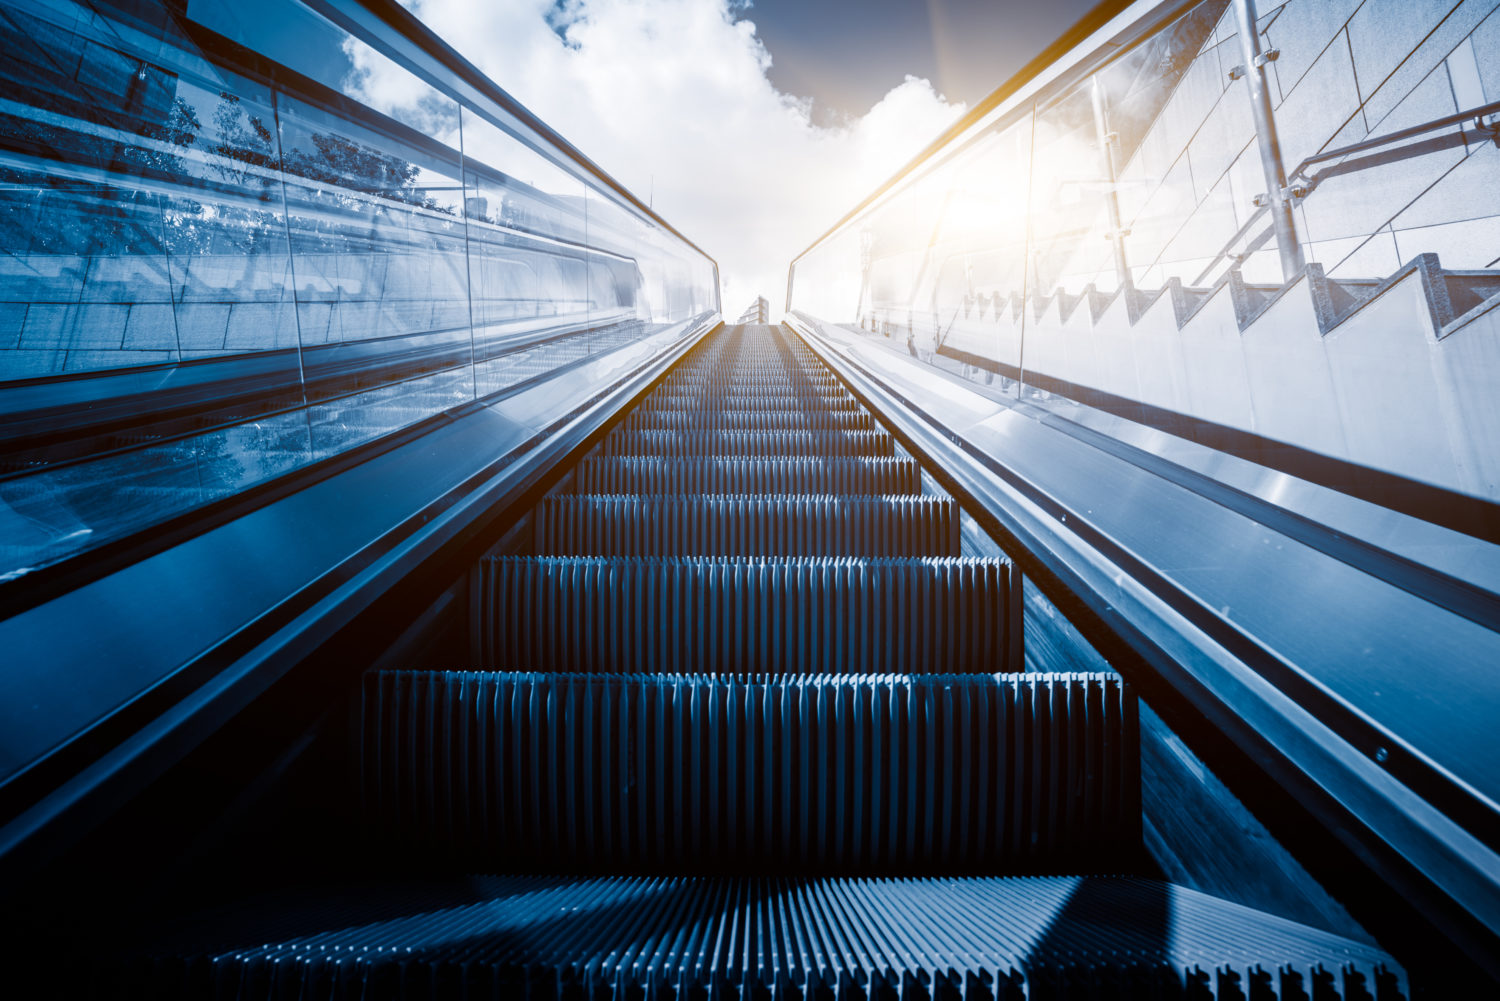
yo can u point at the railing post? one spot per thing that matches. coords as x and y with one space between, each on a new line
1108 143
1270 145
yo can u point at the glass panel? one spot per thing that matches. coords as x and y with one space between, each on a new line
1069 194
375 220
527 237
1123 159
142 189
977 262
641 280
1131 243
230 263
831 282
940 270
220 266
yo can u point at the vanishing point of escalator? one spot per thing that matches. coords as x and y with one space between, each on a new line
744 720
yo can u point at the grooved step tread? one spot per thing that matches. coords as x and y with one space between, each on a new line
592 772
765 525
668 399
748 443
623 474
752 615
1001 938
707 419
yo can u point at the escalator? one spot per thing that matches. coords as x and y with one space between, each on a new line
745 713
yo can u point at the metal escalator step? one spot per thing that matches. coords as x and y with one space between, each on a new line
668 400
778 378
743 385
776 395
734 616
627 937
748 443
572 772
764 525
620 474
705 419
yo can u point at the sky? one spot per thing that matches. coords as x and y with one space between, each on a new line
751 128
846 54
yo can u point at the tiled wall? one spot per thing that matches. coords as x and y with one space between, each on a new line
1346 71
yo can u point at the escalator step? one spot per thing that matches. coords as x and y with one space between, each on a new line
591 772
730 616
764 525
664 399
699 391
781 375
749 443
727 475
541 937
647 418
782 385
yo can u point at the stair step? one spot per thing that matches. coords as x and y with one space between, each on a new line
995 937
749 443
619 474
730 616
1467 289
587 772
765 525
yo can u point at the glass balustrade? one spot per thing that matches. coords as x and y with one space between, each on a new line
1104 236
222 265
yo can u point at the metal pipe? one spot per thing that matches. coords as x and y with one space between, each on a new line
1108 142
1462 117
1266 139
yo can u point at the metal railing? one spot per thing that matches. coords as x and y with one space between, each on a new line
1301 184
1476 115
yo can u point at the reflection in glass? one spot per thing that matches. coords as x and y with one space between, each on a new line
219 270
1105 239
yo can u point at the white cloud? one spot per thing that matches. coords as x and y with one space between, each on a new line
672 98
